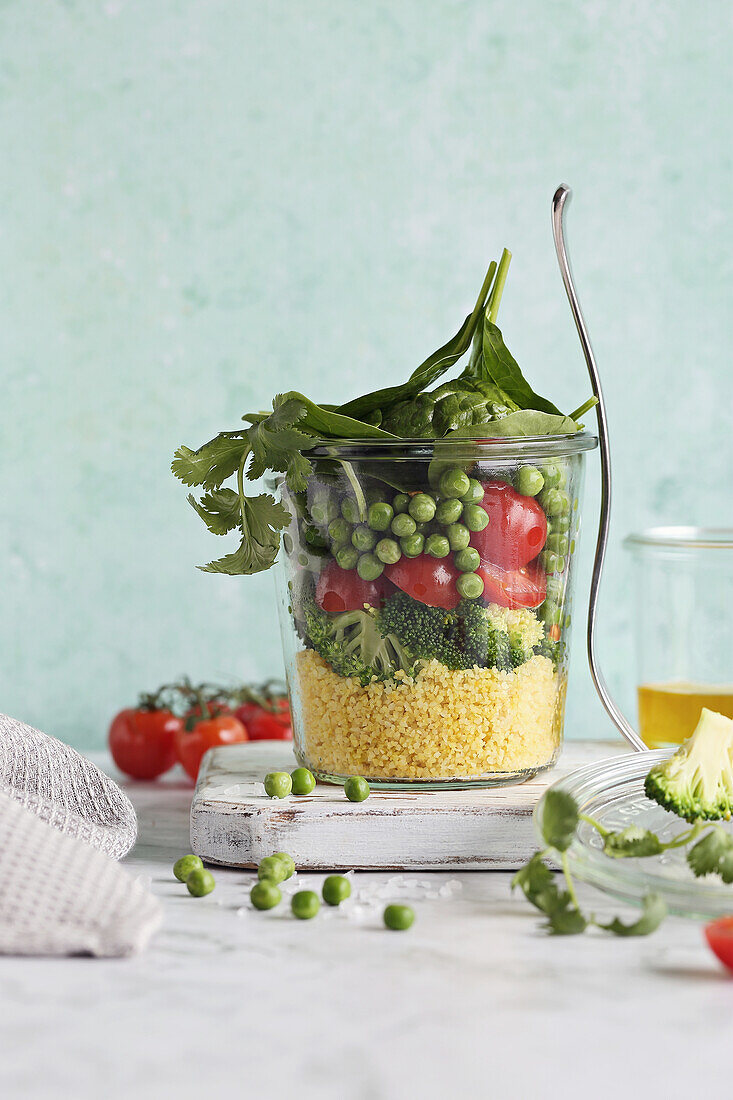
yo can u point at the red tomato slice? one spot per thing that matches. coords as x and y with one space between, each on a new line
517 527
719 935
340 590
142 742
191 744
429 580
513 588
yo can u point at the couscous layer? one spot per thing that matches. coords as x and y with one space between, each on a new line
442 724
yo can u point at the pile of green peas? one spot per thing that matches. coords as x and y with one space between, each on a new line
549 486
438 524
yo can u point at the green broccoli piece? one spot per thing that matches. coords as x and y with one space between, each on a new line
697 782
353 645
460 638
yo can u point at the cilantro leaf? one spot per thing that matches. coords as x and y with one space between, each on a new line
558 819
654 910
277 445
219 510
211 464
567 921
538 885
262 519
713 855
632 841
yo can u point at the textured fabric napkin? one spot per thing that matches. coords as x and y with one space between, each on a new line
62 825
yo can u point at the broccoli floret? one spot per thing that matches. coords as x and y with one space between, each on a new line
460 638
697 782
353 644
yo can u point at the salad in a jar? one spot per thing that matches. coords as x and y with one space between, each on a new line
428 537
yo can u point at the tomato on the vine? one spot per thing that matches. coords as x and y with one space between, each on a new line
340 590
513 588
197 735
264 724
719 934
430 580
517 527
142 741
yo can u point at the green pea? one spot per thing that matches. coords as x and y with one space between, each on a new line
335 889
470 585
200 882
369 567
558 543
475 492
421 507
303 781
288 862
340 531
561 523
437 546
265 895
356 789
398 917
183 867
362 538
412 545
530 481
551 562
403 525
273 869
324 510
458 536
551 613
555 502
314 538
347 557
454 483
350 510
474 517
305 904
400 503
388 551
572 546
448 511
288 543
554 475
278 784
555 589
467 560
380 516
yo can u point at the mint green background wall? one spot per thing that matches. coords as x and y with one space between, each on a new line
203 203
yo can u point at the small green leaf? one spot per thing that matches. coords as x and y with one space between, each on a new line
538 885
219 510
526 422
654 910
277 445
632 841
568 921
261 523
558 817
211 464
713 855
500 367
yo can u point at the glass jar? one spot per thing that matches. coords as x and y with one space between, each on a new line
683 591
424 592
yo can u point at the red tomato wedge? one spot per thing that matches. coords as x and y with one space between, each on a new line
429 580
719 935
513 588
517 527
340 590
142 742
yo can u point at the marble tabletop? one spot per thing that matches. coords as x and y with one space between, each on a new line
474 1001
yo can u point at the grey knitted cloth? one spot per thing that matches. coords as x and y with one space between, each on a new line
63 823
64 789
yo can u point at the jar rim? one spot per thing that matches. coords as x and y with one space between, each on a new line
681 538
500 447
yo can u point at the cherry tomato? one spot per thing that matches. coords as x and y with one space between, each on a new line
142 742
340 590
517 527
429 580
513 588
205 734
266 725
719 935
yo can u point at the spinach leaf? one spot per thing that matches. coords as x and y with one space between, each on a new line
499 366
526 422
433 367
333 424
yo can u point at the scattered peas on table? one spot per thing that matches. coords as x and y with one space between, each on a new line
272 869
278 784
303 781
305 904
200 882
398 917
356 789
335 889
183 867
265 894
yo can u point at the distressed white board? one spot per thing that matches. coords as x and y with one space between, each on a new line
234 823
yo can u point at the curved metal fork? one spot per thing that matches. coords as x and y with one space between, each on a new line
559 201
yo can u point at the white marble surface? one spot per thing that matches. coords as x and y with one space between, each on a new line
473 1001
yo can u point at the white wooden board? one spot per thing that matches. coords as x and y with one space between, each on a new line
234 823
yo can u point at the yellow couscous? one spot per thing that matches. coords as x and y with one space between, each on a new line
442 724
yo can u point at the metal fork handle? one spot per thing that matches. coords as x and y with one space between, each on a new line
560 199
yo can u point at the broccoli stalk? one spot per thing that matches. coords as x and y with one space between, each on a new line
697 782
